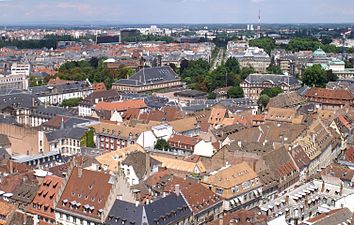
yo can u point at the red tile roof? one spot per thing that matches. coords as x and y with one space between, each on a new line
183 140
84 190
121 106
330 96
45 197
99 86
198 196
349 155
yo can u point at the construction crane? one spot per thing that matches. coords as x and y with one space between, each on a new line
344 37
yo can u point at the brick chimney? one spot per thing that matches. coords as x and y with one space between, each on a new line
341 189
306 200
323 186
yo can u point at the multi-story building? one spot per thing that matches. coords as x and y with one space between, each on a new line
87 196
110 137
238 184
17 79
149 79
254 84
330 99
253 57
17 69
55 94
42 205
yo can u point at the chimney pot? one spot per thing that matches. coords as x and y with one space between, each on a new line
177 189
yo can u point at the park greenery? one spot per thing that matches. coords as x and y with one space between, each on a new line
94 69
267 43
198 76
299 44
316 76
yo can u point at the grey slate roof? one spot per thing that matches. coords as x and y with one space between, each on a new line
73 133
277 79
59 88
18 100
50 111
154 75
173 205
125 211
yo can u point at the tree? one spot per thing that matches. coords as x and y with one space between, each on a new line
330 76
72 102
263 101
271 92
274 69
211 95
162 144
235 92
315 76
267 43
247 71
233 66
326 40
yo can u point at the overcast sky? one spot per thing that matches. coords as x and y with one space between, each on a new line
176 11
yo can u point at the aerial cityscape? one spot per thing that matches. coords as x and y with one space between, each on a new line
176 112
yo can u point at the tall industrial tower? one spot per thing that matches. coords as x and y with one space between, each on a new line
259 24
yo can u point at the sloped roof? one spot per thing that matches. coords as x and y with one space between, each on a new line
124 211
85 188
122 105
149 76
173 205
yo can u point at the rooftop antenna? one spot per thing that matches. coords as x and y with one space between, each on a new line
259 24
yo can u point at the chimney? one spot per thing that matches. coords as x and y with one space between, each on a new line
11 167
239 143
147 163
120 197
79 172
341 188
306 200
323 186
221 220
136 203
177 189
287 199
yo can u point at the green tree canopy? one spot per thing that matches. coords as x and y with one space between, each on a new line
315 76
263 101
267 43
274 69
162 144
271 92
247 71
235 92
94 70
71 102
232 66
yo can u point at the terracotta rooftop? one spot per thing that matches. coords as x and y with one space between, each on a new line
183 140
85 193
121 106
198 196
45 197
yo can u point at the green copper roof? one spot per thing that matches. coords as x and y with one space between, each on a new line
319 53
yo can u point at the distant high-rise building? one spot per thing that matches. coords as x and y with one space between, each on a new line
352 35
